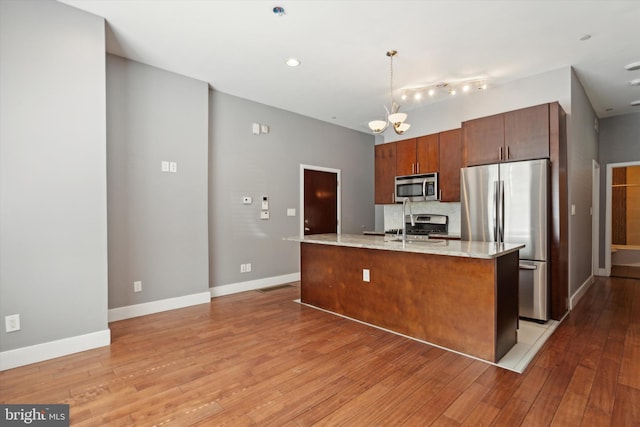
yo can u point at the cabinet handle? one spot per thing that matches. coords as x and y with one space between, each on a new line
417 167
499 153
413 168
508 154
440 195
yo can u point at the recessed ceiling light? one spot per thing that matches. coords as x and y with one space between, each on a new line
585 37
293 62
635 103
633 66
635 82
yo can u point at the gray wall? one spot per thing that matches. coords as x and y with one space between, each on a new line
582 149
243 164
53 215
157 220
619 142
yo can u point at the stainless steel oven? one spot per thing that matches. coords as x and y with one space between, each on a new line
417 188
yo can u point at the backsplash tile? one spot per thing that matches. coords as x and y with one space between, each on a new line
393 214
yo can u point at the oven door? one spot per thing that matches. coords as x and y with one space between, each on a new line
533 290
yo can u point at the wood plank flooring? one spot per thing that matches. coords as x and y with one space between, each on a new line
261 359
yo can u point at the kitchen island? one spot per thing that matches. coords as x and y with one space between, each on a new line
455 294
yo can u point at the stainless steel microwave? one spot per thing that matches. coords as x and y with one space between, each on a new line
417 188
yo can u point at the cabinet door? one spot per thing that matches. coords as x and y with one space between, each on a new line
427 154
385 173
483 140
526 133
450 164
406 157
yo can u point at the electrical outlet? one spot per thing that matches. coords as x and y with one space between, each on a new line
12 323
164 166
173 167
243 268
249 268
365 275
137 286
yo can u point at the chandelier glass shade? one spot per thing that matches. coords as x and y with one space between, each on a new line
393 117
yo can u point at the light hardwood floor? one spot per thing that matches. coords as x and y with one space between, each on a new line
261 359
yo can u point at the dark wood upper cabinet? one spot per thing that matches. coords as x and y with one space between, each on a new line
417 155
427 154
385 173
406 157
517 135
450 153
526 133
483 140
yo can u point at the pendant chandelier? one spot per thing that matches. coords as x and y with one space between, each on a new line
395 119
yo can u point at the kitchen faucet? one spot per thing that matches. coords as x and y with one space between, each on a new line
406 202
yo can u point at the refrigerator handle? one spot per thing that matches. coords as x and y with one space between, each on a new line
501 208
495 211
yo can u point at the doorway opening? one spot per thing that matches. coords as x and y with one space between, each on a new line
319 200
622 251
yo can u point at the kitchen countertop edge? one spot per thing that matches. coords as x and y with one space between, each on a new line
458 248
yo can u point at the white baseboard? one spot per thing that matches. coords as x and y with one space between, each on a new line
602 272
50 350
143 309
251 285
580 292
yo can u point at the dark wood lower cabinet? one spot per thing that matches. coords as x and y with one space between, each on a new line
468 305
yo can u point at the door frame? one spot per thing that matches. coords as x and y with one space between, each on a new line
304 167
595 218
608 213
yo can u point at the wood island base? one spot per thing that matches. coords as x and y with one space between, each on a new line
469 305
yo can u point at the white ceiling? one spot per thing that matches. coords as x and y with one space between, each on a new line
240 46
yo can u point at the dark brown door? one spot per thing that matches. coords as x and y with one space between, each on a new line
320 202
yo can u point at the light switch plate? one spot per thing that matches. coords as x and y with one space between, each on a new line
173 167
164 166
247 200
291 211
264 214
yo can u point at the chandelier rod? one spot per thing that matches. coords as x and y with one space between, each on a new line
391 54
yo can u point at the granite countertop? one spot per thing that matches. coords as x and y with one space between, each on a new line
431 246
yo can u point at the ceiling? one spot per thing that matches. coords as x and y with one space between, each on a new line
240 46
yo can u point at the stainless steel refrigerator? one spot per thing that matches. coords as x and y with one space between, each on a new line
509 202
